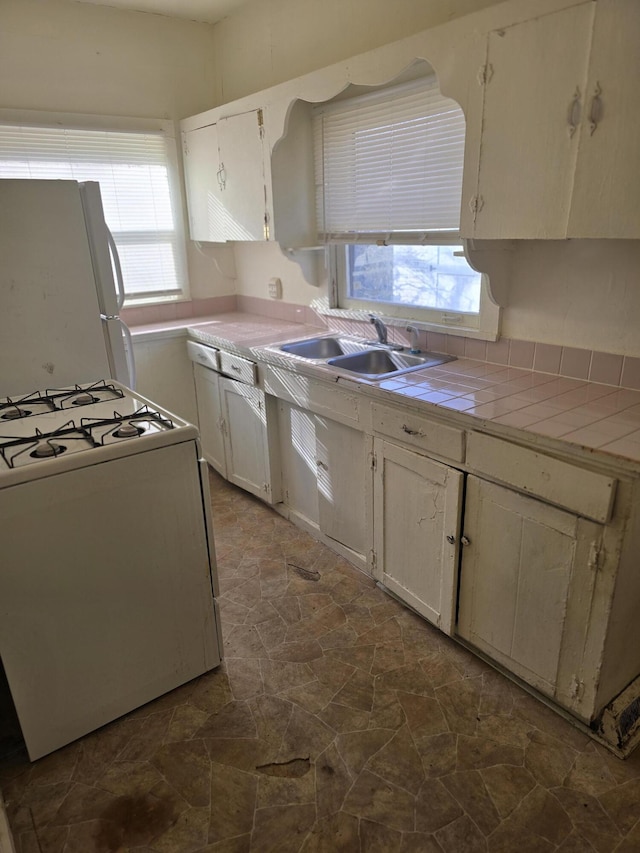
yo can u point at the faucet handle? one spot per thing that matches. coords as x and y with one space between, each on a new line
413 345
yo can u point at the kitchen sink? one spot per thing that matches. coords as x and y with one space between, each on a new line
314 348
363 358
379 363
324 348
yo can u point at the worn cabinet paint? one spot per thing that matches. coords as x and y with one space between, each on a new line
523 563
297 439
324 471
245 438
527 150
200 150
341 465
210 417
225 179
607 180
416 522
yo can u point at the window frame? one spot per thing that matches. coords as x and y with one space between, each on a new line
484 325
89 122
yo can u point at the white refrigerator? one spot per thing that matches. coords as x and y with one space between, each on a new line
61 289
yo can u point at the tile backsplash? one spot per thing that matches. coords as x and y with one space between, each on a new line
571 362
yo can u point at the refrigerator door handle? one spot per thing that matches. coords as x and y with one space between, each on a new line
120 294
131 362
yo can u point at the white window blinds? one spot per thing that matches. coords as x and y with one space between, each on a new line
133 171
389 165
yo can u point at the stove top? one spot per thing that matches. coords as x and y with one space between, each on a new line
44 428
54 400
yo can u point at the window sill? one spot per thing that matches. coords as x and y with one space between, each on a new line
458 329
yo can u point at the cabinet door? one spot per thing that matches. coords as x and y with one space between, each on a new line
297 439
245 438
527 154
607 181
416 507
341 465
525 583
242 174
210 417
207 219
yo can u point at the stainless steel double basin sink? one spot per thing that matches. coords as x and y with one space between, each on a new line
365 359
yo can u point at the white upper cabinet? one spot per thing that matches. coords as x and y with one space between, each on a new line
225 179
561 126
606 190
534 86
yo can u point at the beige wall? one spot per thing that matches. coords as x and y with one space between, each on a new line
65 56
269 41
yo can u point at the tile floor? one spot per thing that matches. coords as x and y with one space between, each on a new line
338 722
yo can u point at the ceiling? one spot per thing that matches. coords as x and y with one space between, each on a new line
208 11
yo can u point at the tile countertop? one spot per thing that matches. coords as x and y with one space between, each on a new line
588 415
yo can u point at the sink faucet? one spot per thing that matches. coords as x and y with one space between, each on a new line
381 329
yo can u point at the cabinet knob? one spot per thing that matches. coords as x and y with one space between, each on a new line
465 541
451 540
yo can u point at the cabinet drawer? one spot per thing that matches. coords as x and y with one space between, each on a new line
239 368
419 432
317 397
585 492
204 355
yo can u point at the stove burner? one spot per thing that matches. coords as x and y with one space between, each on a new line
15 412
128 430
47 450
84 400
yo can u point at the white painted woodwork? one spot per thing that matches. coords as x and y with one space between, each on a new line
515 581
422 433
210 417
243 176
245 438
237 367
225 179
607 180
341 468
417 503
204 194
297 438
324 475
527 156
320 397
570 486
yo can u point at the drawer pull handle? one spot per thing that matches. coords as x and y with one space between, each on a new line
236 368
595 113
410 431
575 108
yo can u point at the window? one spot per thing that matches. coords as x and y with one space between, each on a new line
389 184
136 184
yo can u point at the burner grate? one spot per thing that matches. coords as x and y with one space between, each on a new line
121 427
42 446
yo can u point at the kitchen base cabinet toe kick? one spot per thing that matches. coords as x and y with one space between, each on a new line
523 554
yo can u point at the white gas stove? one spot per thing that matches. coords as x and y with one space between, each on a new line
43 432
107 579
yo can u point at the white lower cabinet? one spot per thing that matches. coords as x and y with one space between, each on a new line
324 475
417 506
210 417
233 432
526 585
